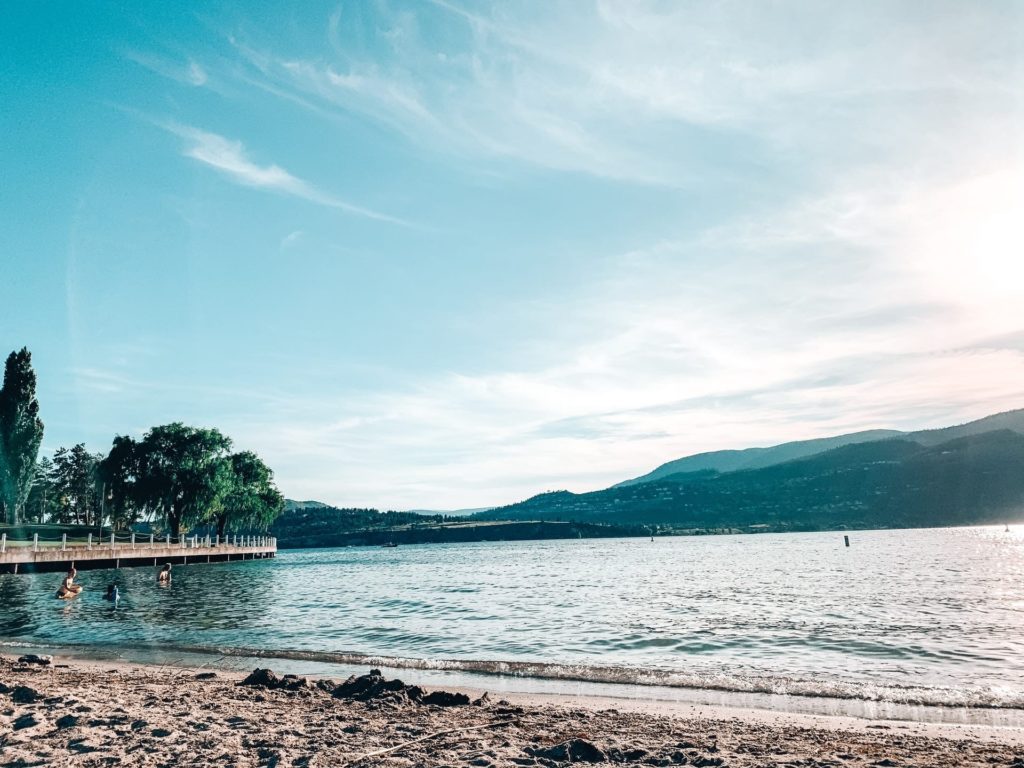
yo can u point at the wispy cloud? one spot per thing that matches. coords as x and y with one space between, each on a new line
291 238
190 72
94 380
196 74
632 91
231 159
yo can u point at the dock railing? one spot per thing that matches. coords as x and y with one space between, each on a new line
129 541
125 549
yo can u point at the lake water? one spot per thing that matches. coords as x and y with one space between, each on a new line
926 617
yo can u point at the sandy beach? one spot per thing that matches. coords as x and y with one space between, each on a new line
77 713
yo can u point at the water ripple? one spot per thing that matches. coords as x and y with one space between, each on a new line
795 613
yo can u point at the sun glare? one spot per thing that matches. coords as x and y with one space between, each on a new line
972 248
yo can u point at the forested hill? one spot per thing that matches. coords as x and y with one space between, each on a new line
324 526
320 521
292 504
884 483
756 458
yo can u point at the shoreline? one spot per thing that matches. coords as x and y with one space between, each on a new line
997 733
1003 734
100 711
668 698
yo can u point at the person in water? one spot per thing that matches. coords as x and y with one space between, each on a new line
164 577
68 588
112 594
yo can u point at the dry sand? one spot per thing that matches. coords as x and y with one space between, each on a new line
74 713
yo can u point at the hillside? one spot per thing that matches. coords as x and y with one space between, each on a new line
975 478
1011 420
325 526
449 512
755 458
292 504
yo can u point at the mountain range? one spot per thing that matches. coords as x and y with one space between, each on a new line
965 474
756 458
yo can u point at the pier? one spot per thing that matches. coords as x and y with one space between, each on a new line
129 550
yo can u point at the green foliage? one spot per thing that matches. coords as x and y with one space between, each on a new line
41 504
313 523
77 497
180 474
21 432
326 526
117 473
249 499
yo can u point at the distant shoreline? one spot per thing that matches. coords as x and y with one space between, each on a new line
474 532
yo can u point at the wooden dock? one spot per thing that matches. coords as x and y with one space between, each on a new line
129 551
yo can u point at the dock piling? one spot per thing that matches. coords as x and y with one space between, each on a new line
3 543
35 542
63 542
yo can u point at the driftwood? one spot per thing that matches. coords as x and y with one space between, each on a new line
404 744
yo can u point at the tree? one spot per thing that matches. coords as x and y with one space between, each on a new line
181 473
41 504
250 498
75 485
21 432
117 474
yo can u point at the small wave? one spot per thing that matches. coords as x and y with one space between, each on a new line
634 676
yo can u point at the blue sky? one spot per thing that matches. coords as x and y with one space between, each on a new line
448 254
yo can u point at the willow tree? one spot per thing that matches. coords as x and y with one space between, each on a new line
181 473
21 432
250 498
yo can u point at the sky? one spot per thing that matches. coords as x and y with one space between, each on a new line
447 254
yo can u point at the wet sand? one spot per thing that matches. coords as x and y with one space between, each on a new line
78 713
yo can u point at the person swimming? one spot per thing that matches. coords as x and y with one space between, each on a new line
68 588
112 594
164 577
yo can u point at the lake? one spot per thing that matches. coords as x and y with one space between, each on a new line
911 617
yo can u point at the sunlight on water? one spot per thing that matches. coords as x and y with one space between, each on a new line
930 616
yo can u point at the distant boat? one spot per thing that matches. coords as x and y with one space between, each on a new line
389 545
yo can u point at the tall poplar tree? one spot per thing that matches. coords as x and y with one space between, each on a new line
21 432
